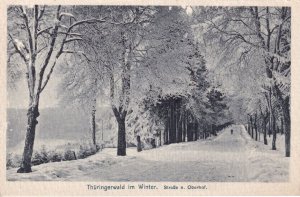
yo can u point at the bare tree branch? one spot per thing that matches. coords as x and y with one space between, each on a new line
76 52
41 13
50 51
26 21
48 77
18 49
72 39
46 30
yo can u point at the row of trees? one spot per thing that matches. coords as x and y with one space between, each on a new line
149 63
180 121
114 47
154 59
254 43
185 114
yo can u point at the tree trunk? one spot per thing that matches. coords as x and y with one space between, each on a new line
196 131
265 132
285 104
176 121
282 126
172 138
166 140
259 130
251 123
93 124
269 127
287 140
32 115
180 125
255 126
287 129
184 127
121 137
168 122
265 122
274 134
159 144
271 112
248 126
121 117
139 144
190 132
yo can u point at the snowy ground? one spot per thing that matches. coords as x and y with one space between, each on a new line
227 157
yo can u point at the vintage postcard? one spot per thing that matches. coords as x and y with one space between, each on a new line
150 97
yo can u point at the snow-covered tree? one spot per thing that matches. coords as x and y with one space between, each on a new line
40 36
252 32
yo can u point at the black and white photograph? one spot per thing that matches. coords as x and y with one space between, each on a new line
148 93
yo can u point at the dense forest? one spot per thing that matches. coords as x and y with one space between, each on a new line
169 74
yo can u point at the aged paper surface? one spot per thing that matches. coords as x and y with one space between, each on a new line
46 180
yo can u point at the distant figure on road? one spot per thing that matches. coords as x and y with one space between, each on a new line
231 131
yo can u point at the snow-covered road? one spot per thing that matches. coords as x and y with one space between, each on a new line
227 157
